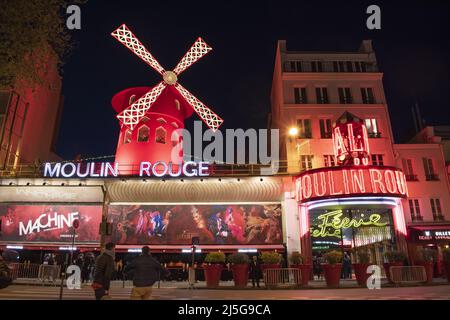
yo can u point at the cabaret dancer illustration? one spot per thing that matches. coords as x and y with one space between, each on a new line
235 229
143 224
157 224
218 228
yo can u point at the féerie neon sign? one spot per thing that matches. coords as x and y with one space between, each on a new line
343 181
332 223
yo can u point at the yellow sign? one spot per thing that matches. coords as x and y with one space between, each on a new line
333 220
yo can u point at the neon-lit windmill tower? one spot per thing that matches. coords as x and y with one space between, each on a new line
149 115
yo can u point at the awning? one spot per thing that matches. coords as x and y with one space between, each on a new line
431 227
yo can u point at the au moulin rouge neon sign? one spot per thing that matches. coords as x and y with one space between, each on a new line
353 176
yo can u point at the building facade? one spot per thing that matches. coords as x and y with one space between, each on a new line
343 184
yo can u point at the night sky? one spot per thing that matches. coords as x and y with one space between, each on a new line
235 79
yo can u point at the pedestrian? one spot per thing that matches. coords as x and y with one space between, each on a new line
346 266
104 268
146 271
5 274
255 271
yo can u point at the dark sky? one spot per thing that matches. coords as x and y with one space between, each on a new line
412 48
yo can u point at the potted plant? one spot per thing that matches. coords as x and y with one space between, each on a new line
425 257
239 267
333 268
395 259
213 269
305 269
271 260
361 266
446 262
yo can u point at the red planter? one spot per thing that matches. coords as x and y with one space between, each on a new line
332 273
447 269
387 266
361 273
240 275
429 269
305 271
212 275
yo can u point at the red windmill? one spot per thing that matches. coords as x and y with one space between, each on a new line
148 116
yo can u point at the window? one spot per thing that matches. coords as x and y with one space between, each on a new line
372 128
296 66
143 134
345 96
144 119
349 66
377 159
325 128
177 105
408 170
367 96
305 162
338 66
127 137
175 125
304 128
430 174
322 95
160 135
328 160
132 99
161 120
436 209
300 95
414 209
316 66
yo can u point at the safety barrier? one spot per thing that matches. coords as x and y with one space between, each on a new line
36 272
408 274
282 277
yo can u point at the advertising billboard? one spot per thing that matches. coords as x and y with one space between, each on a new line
258 224
49 223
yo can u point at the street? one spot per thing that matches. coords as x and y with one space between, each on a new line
440 292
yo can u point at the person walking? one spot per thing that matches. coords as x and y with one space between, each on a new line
255 271
347 266
5 274
104 268
146 271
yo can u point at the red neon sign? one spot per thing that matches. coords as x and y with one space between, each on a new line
341 182
351 141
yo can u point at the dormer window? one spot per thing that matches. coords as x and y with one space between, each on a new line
143 134
144 119
177 104
127 137
132 99
161 135
162 121
175 125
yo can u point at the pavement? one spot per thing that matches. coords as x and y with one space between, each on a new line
174 291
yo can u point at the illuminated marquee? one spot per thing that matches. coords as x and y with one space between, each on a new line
341 182
106 169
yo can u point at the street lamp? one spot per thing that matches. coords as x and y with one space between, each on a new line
293 132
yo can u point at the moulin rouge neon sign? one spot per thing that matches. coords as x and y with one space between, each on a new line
339 182
106 169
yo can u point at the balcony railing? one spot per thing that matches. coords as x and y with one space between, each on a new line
432 177
417 218
374 134
411 177
438 217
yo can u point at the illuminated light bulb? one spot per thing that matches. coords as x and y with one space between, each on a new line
293 131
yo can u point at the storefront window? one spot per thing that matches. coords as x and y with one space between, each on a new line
346 229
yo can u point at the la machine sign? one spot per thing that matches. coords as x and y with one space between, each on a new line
106 169
344 181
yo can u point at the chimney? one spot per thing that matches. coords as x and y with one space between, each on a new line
366 46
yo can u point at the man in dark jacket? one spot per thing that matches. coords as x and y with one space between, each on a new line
255 271
104 268
146 271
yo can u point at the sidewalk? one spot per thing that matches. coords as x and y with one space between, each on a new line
229 285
